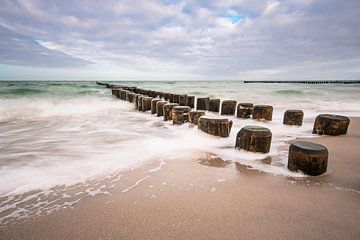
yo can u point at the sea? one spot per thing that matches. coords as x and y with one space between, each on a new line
57 135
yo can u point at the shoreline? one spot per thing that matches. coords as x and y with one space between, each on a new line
183 199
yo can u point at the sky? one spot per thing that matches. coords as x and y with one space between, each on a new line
179 40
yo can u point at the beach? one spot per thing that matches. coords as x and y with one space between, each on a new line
188 200
78 163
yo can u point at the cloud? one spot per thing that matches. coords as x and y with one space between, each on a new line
16 49
229 39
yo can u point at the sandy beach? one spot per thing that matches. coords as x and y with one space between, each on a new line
189 200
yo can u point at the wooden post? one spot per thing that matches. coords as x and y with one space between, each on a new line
254 139
214 105
182 99
168 110
228 107
310 158
190 101
329 124
159 108
202 103
244 110
293 117
262 112
153 105
195 115
180 114
217 126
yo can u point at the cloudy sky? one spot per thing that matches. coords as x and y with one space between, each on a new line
179 40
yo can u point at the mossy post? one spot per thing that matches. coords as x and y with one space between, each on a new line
195 115
262 112
202 103
168 110
228 107
293 117
254 139
244 110
329 124
153 105
217 126
159 108
310 158
214 105
180 114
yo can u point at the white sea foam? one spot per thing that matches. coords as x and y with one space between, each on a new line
68 141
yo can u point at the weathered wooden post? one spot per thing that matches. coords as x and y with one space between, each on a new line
310 158
214 125
177 98
159 108
171 96
293 117
140 102
167 96
254 139
146 104
214 105
168 110
161 94
115 91
153 105
182 99
129 96
244 110
228 107
329 124
180 114
262 112
195 115
202 103
136 100
190 101
123 94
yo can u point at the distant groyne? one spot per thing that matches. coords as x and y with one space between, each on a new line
309 82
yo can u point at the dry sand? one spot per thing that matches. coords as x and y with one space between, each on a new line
187 200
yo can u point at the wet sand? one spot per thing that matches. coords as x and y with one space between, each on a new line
188 200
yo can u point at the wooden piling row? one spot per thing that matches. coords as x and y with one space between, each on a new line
178 108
